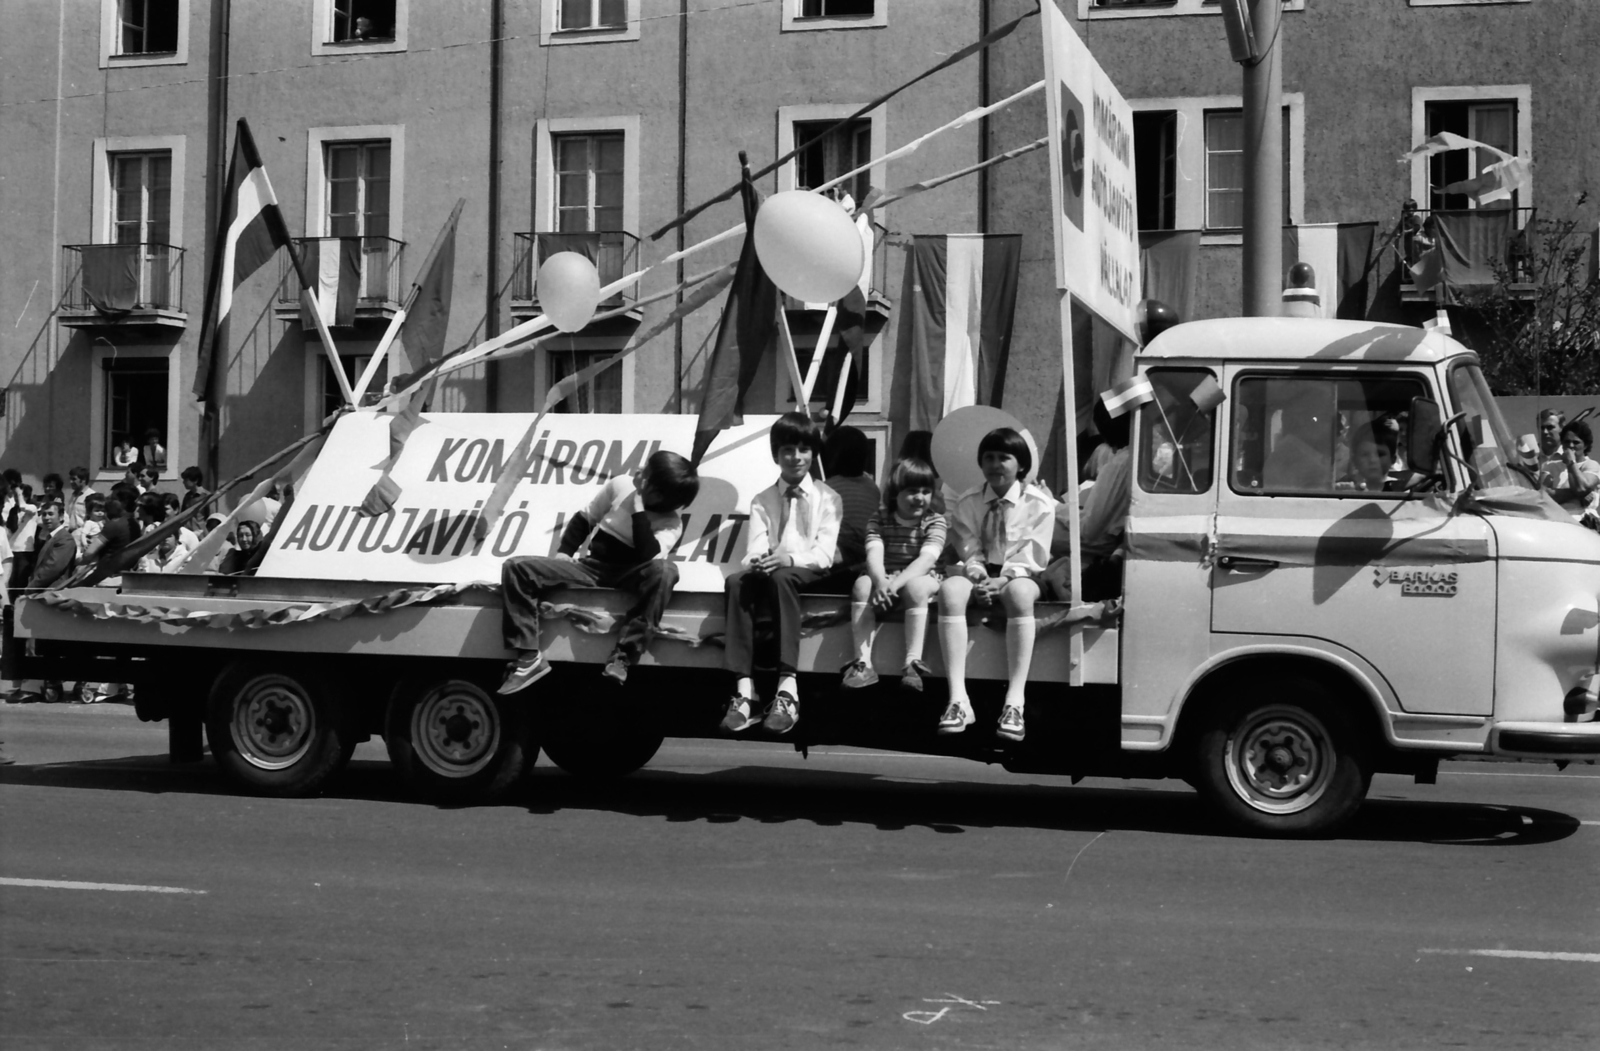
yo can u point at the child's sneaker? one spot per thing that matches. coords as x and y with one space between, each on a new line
524 672
859 674
616 670
1011 726
956 718
783 713
738 717
911 677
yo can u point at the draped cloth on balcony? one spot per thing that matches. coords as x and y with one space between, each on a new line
1170 265
111 278
1471 245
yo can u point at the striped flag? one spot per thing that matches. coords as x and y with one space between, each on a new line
961 293
1128 395
1339 253
334 266
1207 394
249 233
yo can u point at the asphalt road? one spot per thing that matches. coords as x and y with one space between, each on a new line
739 896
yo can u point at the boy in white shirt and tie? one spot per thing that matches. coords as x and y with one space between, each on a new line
794 536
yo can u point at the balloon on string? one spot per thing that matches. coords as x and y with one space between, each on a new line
956 440
569 290
809 246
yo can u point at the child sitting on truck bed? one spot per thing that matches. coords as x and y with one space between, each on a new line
1002 536
794 536
630 526
905 538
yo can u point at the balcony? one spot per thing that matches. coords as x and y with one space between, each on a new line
122 284
807 317
1487 242
376 276
614 253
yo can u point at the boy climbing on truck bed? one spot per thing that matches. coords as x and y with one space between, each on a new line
630 526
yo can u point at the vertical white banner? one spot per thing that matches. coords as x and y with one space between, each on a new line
1093 187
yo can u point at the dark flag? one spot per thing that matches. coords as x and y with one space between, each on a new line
749 323
250 232
429 314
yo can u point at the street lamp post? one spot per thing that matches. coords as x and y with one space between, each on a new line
1255 41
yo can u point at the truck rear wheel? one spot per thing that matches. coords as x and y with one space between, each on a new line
275 734
455 742
1283 767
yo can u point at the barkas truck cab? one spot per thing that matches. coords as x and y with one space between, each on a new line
1334 567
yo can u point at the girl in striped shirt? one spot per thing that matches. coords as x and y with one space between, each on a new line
905 538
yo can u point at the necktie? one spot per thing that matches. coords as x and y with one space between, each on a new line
994 531
799 514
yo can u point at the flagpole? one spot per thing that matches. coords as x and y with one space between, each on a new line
790 361
1069 442
815 368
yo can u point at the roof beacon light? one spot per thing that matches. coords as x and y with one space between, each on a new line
1300 298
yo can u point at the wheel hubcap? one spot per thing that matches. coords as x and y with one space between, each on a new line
273 722
1280 760
455 730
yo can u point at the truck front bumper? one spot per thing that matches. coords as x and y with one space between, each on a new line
1571 741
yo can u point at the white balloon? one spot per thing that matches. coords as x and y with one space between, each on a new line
809 246
956 439
569 290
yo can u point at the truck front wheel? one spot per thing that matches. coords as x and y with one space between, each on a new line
275 734
1283 767
454 742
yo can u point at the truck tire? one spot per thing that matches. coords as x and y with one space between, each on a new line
1282 767
455 742
275 734
597 752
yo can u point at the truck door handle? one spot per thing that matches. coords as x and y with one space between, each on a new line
1242 564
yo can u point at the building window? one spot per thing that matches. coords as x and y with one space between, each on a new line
834 14
1492 122
591 14
148 27
1155 151
141 198
588 21
603 393
1225 166
328 395
339 27
589 171
1159 8
1176 440
136 392
830 156
358 189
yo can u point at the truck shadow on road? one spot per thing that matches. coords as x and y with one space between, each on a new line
885 801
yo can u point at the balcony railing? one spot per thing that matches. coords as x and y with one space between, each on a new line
877 274
117 282
377 272
613 252
1492 240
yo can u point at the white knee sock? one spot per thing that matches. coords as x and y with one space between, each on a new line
745 688
1019 657
953 641
863 628
790 685
916 632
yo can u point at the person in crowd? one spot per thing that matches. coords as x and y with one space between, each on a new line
148 478
52 487
1302 456
124 455
1002 537
57 551
845 455
1572 480
918 445
794 537
1102 517
94 518
166 557
629 528
193 491
188 539
152 453
79 491
117 531
1369 461
905 538
247 549
1548 427
213 521
20 518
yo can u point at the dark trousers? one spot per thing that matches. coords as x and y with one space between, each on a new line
776 594
524 580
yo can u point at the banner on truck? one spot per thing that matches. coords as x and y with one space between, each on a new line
450 466
1093 187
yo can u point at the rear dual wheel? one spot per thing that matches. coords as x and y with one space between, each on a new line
455 742
275 733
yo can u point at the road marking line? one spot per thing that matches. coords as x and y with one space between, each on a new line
67 884
1516 773
1520 954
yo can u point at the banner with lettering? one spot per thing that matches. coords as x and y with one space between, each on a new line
450 466
1093 187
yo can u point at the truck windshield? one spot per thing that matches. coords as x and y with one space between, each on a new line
1487 440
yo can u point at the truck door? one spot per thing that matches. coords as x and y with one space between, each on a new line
1314 538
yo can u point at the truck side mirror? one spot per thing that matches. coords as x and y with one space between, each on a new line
1427 431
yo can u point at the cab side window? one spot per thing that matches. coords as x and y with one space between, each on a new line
1177 431
1321 435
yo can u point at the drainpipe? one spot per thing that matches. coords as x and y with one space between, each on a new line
683 191
217 164
491 369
